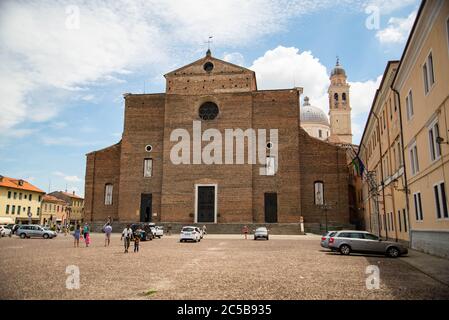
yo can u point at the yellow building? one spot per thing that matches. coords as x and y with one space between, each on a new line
20 201
383 188
75 205
54 211
422 86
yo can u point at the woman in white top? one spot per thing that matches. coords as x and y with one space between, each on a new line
127 234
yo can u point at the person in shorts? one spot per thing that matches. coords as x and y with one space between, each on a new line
107 234
76 236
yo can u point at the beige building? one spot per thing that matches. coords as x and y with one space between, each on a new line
20 201
383 189
54 211
422 85
75 205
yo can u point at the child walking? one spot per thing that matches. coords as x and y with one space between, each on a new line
136 241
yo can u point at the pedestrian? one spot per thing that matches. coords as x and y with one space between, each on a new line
204 230
168 229
86 235
76 235
245 231
127 234
137 240
107 234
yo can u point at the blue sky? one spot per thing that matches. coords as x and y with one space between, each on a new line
65 65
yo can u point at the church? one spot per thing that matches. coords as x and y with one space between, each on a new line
141 179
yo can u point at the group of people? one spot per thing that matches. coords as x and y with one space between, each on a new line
83 233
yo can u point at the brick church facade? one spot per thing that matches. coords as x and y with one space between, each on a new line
136 180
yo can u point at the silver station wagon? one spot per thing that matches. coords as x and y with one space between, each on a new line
34 231
348 241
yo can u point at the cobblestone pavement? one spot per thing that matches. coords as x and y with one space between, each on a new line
219 267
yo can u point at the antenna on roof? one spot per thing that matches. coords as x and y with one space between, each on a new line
209 41
66 187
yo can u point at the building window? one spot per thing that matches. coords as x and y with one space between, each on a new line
428 74
15 195
319 193
108 194
399 154
271 166
40 198
9 194
435 148
13 209
30 197
320 133
409 105
18 210
148 168
20 196
336 96
7 209
208 111
441 201
399 220
414 161
343 96
38 211
418 206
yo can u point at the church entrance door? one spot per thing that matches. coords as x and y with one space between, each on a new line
146 203
271 207
205 204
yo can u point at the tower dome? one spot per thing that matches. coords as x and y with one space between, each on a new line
338 69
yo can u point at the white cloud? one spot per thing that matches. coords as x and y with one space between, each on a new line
67 177
362 95
389 6
397 30
235 58
288 67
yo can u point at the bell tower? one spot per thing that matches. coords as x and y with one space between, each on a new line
339 106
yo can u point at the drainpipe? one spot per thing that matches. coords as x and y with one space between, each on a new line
382 176
407 200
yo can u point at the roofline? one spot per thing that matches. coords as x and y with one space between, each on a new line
375 100
409 40
208 57
104 149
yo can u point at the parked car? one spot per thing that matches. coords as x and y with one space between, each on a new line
5 232
145 231
261 233
34 231
190 234
158 231
325 239
13 227
348 241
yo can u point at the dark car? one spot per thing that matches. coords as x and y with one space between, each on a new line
145 233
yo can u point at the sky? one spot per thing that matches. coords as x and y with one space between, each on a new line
66 64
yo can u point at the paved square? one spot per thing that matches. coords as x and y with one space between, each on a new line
219 267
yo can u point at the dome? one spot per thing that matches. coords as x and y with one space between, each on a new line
338 69
311 114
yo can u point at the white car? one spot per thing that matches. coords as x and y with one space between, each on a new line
158 231
190 234
5 232
261 233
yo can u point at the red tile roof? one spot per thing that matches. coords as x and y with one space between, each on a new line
72 195
49 198
18 184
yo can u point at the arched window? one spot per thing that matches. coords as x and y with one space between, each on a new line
343 97
208 111
336 96
319 193
108 194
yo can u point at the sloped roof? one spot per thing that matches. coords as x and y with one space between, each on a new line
49 198
18 184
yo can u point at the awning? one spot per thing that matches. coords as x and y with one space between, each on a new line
5 220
